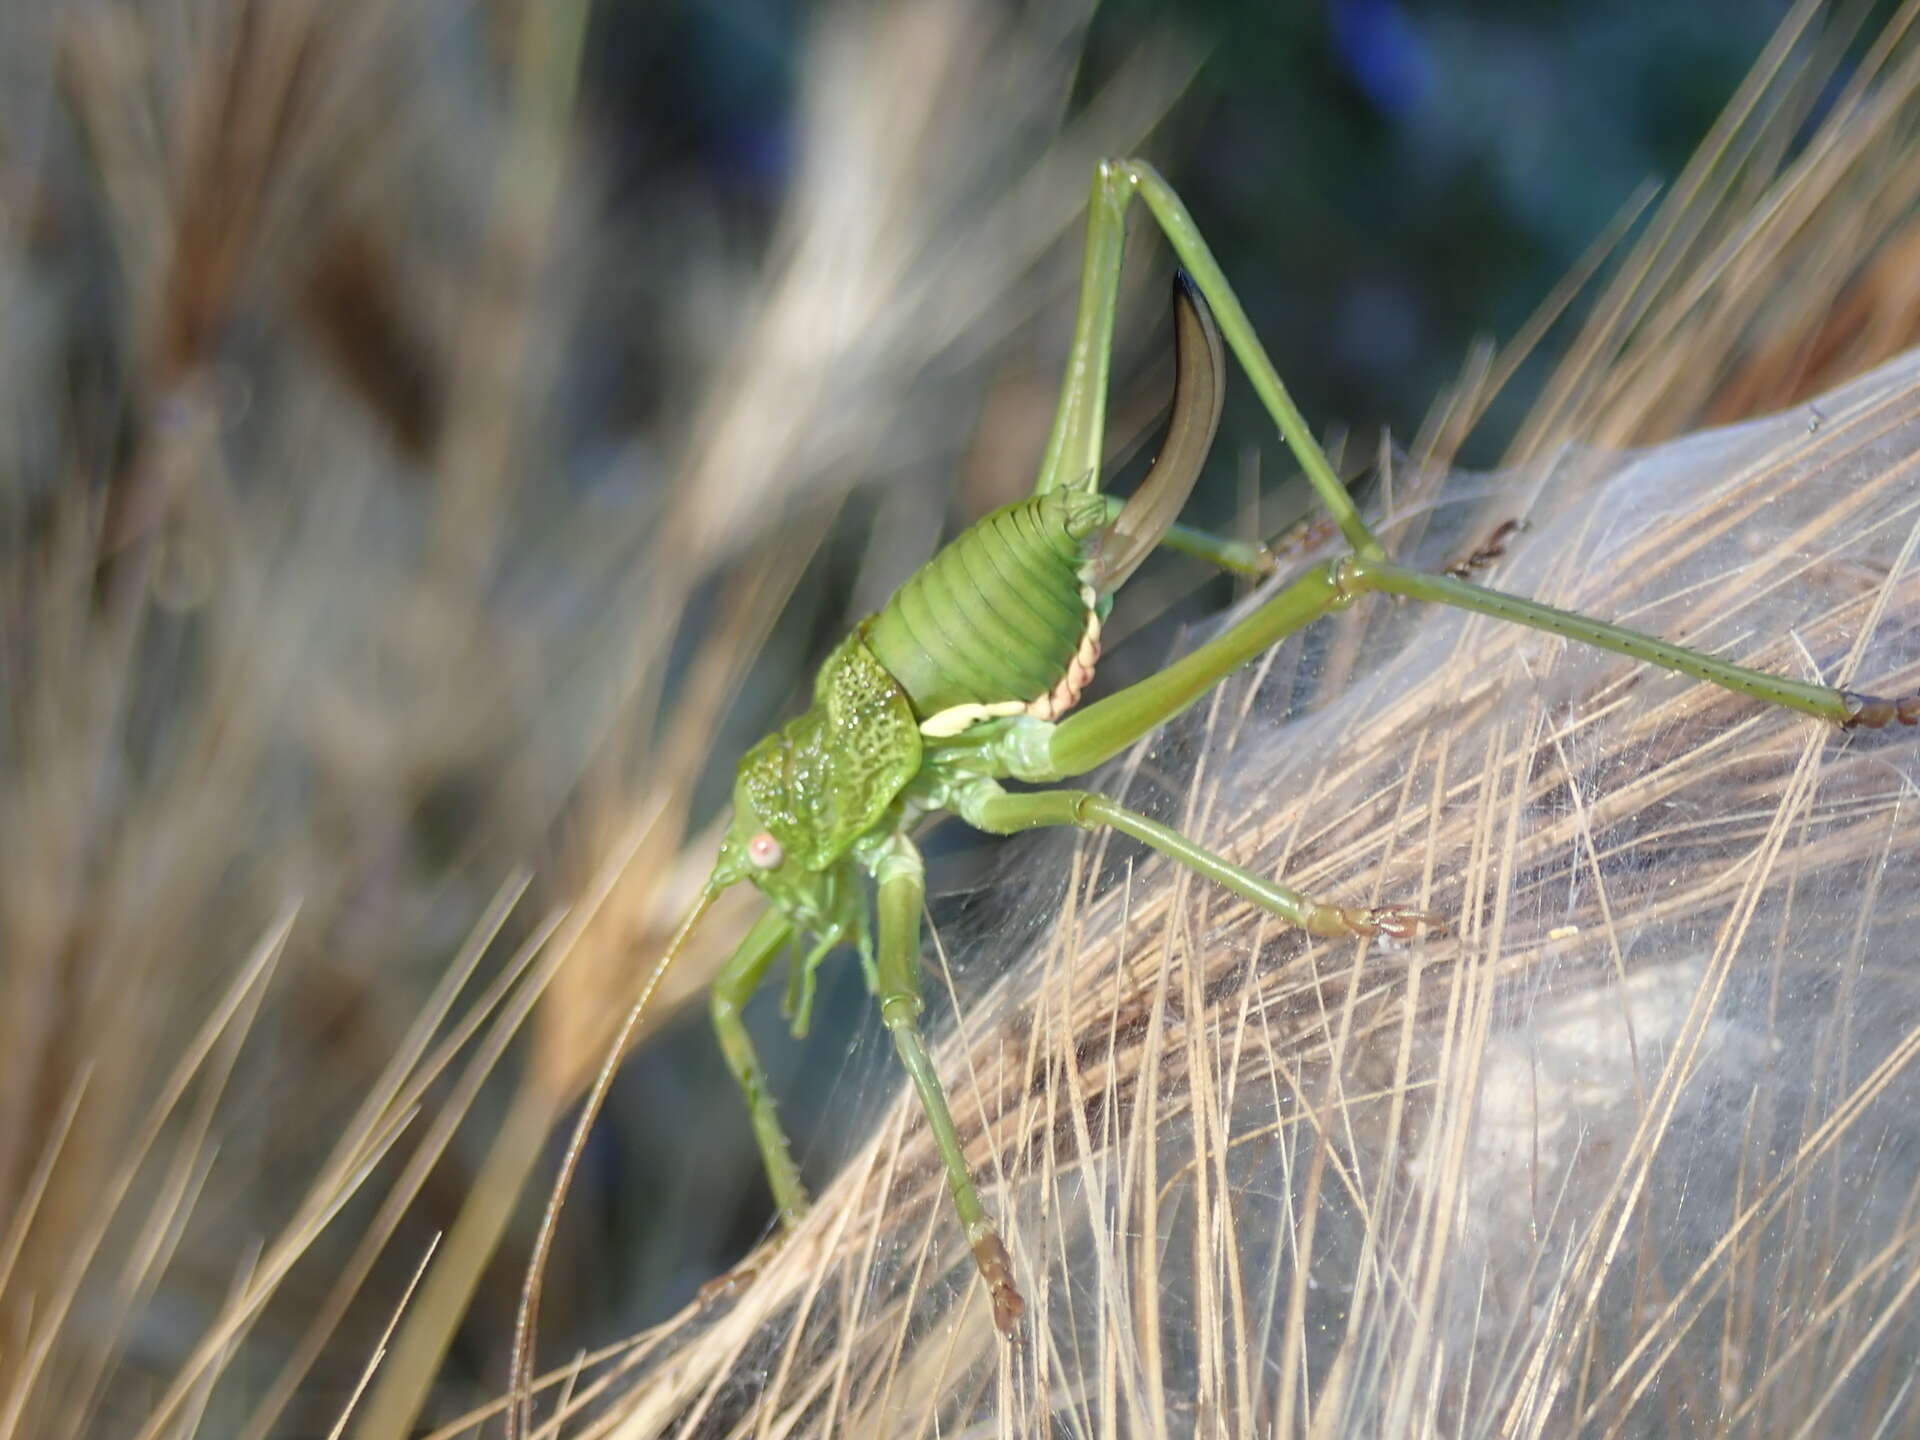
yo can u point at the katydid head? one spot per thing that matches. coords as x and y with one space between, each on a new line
824 902
768 844
807 792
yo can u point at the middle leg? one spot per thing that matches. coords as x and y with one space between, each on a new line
902 878
989 808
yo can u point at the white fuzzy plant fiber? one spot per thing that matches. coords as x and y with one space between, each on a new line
1633 1148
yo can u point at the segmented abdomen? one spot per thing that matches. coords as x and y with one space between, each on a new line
999 615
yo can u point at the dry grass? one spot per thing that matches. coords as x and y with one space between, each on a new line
318 628
327 612
1628 1152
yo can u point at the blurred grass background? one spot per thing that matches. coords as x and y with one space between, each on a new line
441 437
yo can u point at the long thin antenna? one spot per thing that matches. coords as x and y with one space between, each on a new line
526 1321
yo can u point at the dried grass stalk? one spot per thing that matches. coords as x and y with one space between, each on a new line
1633 1143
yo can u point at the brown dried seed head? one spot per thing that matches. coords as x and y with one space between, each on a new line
996 1268
1873 712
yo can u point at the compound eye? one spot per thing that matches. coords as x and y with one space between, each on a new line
765 852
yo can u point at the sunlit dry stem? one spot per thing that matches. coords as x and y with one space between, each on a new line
526 1320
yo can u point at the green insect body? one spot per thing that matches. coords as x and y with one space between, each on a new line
970 671
1003 622
820 781
805 796
996 623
